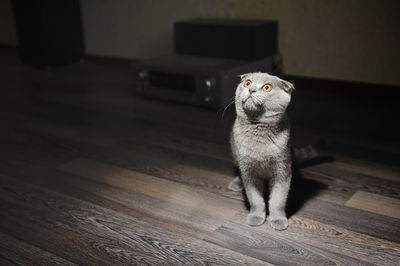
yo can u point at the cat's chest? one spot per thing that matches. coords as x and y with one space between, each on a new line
260 144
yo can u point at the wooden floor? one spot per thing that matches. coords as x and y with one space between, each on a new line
91 174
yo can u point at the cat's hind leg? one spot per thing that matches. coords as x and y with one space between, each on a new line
236 184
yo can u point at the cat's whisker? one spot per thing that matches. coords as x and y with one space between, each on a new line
230 102
223 113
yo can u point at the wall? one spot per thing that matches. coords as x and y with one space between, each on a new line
356 40
7 25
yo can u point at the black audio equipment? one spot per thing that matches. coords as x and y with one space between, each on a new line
209 56
49 32
206 81
228 38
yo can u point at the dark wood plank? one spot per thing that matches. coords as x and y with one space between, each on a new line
6 262
275 248
197 171
160 114
20 253
375 203
86 233
368 152
352 219
171 140
170 137
176 193
161 157
188 168
351 181
331 238
161 213
367 168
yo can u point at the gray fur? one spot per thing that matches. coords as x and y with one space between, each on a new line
260 142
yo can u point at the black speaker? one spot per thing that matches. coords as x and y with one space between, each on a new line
49 32
228 38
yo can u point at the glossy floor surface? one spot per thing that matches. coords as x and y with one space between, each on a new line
92 174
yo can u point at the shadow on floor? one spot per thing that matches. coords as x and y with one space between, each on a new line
301 189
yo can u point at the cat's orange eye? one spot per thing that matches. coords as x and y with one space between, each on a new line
247 83
267 87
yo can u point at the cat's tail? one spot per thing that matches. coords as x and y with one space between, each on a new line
305 155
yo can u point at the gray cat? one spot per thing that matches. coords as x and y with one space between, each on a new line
260 142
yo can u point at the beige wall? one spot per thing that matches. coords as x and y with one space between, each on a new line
356 40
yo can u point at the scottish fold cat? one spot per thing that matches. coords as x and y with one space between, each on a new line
261 148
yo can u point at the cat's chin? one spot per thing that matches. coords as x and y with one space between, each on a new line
250 106
253 114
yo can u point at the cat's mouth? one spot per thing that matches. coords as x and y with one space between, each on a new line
252 106
248 98
249 104
252 102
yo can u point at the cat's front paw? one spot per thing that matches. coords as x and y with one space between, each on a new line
280 223
255 220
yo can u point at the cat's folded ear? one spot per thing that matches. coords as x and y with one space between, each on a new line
286 85
243 76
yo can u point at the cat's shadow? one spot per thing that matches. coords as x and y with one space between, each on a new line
301 189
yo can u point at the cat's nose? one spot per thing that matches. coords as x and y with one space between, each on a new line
251 90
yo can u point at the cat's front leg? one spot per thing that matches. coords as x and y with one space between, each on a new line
280 186
254 193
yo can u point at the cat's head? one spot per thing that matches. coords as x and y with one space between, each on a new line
260 96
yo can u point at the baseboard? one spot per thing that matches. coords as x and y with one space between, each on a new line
109 59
